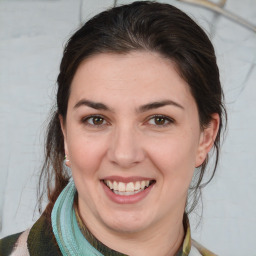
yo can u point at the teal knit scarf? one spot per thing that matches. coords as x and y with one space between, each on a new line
65 228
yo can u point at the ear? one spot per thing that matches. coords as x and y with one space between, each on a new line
64 132
207 138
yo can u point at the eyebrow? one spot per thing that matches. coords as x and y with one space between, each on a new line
141 109
91 104
158 104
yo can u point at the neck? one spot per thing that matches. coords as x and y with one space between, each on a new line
165 237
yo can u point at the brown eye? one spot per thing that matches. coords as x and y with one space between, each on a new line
95 121
160 121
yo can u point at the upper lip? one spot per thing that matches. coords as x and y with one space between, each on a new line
126 179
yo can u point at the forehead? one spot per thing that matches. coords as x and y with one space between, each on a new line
136 76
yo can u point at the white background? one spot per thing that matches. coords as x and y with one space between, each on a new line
32 35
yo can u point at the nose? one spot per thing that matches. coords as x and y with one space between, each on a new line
126 149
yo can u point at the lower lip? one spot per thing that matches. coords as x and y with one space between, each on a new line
131 199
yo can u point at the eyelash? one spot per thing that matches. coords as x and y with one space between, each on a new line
167 121
86 121
165 118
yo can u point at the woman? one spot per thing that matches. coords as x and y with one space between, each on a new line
139 106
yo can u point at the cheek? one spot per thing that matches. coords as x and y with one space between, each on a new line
175 157
86 154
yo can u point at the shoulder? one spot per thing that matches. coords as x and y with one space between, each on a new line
41 240
37 241
7 244
199 250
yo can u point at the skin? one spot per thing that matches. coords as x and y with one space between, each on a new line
130 142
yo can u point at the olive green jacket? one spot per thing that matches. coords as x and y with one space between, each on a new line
40 241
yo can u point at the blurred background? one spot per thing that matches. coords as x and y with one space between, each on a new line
32 36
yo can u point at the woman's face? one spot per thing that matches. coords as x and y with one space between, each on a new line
133 138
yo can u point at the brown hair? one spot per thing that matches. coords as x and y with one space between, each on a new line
146 26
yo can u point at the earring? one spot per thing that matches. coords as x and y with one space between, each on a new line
66 160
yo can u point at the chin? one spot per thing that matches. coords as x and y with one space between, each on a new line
128 222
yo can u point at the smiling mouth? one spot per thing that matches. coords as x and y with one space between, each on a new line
128 189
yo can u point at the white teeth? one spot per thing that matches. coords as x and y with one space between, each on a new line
142 184
137 185
130 188
126 193
109 184
121 187
115 185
